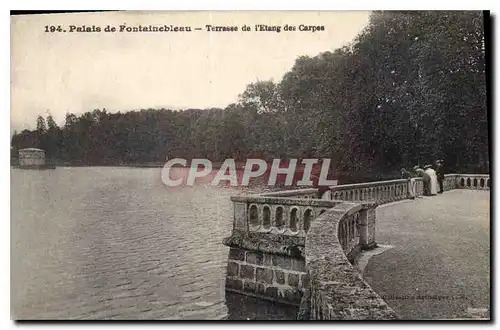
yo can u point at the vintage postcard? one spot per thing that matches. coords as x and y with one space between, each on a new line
246 165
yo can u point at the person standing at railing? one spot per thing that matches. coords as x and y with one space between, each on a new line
433 179
440 174
411 182
426 179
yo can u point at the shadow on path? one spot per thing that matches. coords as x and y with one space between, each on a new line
242 307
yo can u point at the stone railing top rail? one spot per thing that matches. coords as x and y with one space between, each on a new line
290 193
470 175
337 291
388 182
367 184
258 199
286 196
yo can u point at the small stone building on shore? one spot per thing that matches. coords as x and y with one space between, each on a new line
30 157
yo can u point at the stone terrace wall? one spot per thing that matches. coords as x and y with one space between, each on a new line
266 265
297 246
266 246
266 259
289 216
336 290
270 276
472 181
467 181
380 192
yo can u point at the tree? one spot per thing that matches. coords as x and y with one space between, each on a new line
409 89
40 125
262 96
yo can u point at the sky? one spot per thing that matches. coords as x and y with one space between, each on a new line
60 72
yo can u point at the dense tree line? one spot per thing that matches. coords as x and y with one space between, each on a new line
409 89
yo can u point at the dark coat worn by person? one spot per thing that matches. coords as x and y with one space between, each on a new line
440 175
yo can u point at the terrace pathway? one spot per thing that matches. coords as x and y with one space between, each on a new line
439 263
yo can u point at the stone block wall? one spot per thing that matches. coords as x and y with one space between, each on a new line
271 266
309 263
337 291
269 276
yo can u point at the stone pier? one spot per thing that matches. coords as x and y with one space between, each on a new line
267 245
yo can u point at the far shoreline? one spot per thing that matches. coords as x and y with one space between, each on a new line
343 178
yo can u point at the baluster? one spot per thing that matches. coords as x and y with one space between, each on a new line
352 227
349 233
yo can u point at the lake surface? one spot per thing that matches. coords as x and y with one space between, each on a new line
116 243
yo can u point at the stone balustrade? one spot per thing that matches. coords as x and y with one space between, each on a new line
450 182
348 233
297 247
277 215
336 290
467 181
473 181
266 257
419 186
389 191
379 191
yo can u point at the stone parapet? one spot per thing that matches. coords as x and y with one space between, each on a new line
277 215
267 266
380 192
336 290
298 247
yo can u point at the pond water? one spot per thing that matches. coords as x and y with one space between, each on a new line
116 243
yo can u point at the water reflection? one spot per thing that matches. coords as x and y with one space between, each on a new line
242 307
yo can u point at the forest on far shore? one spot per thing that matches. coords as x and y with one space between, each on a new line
411 88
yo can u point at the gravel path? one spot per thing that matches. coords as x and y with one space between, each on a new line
439 266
